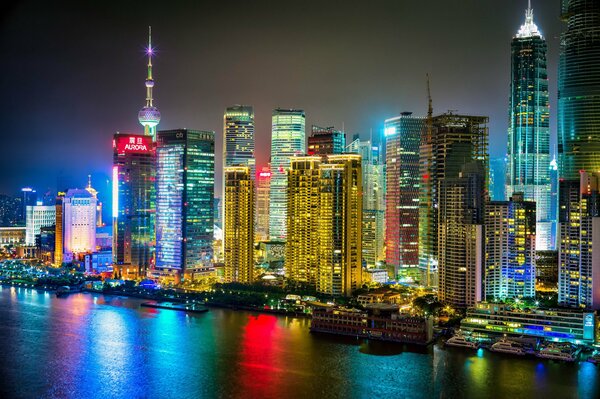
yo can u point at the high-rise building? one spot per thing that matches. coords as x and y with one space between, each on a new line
92 190
79 223
288 138
554 200
510 249
149 116
403 139
303 213
373 179
134 191
238 137
238 228
579 237
133 204
326 140
461 236
529 127
340 225
59 229
498 179
185 181
263 186
38 216
29 198
450 142
579 89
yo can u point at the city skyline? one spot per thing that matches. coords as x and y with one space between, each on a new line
381 87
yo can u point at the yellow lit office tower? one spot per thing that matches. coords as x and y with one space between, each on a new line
58 235
340 225
301 251
238 228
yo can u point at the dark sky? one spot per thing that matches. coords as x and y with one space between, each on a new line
72 73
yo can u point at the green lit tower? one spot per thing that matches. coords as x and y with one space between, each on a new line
529 129
579 89
149 116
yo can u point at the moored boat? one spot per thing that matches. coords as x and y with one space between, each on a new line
555 352
460 341
506 346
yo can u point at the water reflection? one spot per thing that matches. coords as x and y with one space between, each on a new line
92 346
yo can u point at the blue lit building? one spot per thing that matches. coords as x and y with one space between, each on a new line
238 137
529 127
185 202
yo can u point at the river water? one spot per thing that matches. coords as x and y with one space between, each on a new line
96 346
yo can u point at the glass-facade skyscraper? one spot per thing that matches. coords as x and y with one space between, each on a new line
238 137
185 206
529 127
579 89
326 140
288 138
403 139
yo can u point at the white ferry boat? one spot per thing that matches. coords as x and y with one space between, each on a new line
506 346
595 358
555 353
460 341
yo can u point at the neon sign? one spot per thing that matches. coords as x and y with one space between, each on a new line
133 144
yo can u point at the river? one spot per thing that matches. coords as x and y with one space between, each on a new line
96 346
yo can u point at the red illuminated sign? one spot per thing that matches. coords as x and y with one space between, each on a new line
264 174
133 144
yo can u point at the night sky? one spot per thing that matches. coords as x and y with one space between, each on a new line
72 73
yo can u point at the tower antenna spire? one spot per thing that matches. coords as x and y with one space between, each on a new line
149 51
430 103
149 116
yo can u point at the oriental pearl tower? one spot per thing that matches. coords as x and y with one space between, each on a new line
149 116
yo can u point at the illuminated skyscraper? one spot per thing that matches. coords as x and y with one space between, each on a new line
302 244
579 239
79 223
579 89
134 191
529 130
263 184
238 228
238 137
94 193
29 198
59 230
373 183
288 138
461 236
454 141
149 116
340 225
134 204
326 140
510 248
185 202
403 138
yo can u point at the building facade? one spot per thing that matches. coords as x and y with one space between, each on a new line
185 199
529 129
510 234
38 216
326 140
449 143
239 224
133 204
579 235
403 139
579 89
263 188
373 178
461 236
288 138
79 223
238 137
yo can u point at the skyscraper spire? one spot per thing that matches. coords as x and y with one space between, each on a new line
529 28
149 116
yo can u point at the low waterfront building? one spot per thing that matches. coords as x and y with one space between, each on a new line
12 236
379 276
560 325
390 297
380 321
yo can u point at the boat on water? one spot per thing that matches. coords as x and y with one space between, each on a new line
460 341
63 291
595 358
191 307
555 352
506 346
